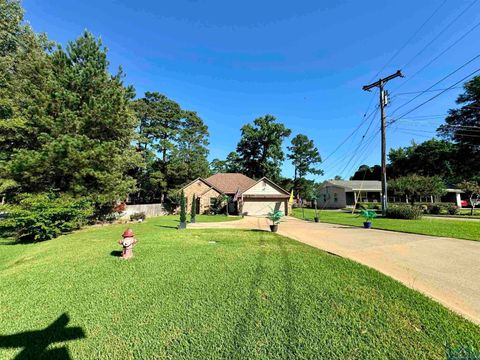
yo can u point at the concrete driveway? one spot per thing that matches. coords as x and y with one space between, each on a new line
445 269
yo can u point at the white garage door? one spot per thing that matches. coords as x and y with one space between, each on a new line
262 207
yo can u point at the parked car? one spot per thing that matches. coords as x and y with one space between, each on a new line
466 203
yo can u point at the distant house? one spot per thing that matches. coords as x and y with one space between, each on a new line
338 194
245 195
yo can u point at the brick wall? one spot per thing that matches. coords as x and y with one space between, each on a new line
198 188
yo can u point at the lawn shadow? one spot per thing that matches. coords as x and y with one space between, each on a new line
167 226
291 307
241 330
116 253
36 342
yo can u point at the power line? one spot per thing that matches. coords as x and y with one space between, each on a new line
408 41
438 82
424 91
438 56
351 134
439 34
435 96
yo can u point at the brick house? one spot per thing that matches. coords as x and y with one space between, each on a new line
245 195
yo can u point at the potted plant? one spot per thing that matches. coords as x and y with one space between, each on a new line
275 216
183 213
193 212
368 215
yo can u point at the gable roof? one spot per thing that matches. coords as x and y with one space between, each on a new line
230 182
210 185
356 185
271 183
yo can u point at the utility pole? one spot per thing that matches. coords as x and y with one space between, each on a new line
383 101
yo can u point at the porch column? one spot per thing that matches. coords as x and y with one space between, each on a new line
458 200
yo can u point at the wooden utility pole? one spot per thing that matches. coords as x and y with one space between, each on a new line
383 101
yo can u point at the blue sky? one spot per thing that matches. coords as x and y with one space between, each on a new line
304 62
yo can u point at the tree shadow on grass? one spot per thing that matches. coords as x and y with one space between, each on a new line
241 330
291 308
36 342
167 226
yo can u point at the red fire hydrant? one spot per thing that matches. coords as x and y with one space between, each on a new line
128 242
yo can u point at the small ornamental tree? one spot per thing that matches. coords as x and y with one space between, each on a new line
193 210
183 213
413 186
472 190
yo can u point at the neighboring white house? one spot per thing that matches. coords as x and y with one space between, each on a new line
338 194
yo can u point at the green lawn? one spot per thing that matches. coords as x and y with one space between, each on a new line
469 230
197 294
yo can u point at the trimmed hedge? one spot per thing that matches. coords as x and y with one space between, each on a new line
406 212
369 205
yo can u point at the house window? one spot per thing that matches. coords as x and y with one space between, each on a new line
324 197
213 201
335 197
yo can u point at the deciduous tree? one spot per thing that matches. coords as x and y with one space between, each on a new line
260 147
413 186
472 190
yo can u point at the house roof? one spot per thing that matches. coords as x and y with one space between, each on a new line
210 185
229 183
271 183
356 185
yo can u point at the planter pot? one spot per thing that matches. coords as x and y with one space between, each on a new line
274 228
182 225
316 218
367 224
192 221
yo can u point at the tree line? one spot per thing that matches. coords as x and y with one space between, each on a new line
74 134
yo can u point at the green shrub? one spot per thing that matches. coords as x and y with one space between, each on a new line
436 209
39 217
407 212
138 216
183 210
424 208
368 205
452 209
193 209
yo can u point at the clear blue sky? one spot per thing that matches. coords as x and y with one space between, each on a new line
304 61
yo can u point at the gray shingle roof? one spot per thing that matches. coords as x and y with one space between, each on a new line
356 185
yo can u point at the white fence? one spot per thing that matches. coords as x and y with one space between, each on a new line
148 209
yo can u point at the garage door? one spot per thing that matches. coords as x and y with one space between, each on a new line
262 207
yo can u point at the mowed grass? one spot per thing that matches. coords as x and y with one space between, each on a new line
197 294
469 230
